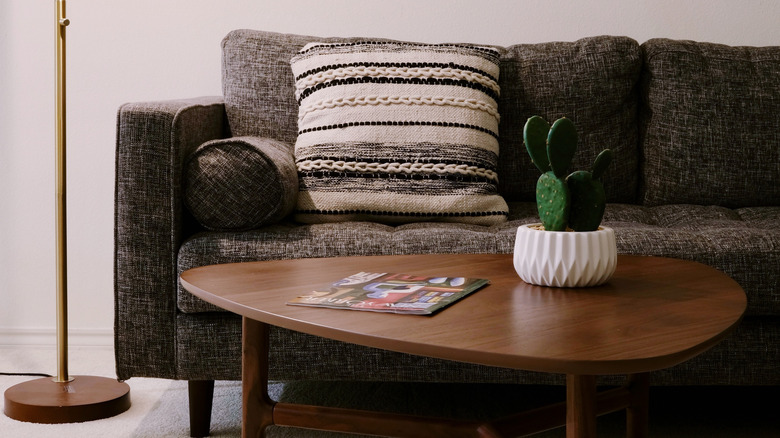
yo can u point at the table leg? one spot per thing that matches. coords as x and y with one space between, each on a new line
581 401
637 417
580 406
258 408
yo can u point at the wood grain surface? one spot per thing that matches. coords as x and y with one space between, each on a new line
654 313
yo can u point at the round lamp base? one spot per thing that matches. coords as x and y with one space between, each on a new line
85 398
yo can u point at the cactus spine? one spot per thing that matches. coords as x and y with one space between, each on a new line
576 201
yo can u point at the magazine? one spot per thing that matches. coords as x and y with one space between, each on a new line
394 293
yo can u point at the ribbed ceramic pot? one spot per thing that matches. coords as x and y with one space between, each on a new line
565 258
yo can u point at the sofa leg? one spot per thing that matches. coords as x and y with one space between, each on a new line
201 394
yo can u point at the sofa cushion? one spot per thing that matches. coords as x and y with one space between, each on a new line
710 124
397 132
743 243
240 183
290 240
593 81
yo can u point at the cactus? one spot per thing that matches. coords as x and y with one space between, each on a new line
553 201
588 200
535 135
576 201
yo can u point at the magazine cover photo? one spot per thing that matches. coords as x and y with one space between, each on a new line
388 292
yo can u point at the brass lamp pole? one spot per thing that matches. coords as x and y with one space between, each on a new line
64 398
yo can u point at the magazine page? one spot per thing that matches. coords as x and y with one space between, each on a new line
387 292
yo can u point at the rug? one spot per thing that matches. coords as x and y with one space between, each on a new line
160 407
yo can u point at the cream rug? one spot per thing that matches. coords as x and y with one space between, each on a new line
160 408
157 400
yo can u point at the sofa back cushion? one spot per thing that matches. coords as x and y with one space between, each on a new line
592 81
710 124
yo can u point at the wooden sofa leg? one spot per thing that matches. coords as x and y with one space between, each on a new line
201 394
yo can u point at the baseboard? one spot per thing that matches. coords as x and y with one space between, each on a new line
42 337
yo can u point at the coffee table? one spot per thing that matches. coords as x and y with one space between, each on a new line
654 313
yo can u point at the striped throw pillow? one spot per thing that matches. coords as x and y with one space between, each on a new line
397 132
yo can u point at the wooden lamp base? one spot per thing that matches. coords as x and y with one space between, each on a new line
85 398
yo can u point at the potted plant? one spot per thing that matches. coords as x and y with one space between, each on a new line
569 248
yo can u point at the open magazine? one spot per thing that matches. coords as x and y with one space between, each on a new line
394 293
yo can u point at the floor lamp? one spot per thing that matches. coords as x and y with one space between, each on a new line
65 398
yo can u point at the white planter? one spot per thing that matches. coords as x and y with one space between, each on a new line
565 258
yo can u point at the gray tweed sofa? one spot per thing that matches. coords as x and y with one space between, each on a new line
695 128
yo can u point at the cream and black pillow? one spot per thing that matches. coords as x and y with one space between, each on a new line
397 132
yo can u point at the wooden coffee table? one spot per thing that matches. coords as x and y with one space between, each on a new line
654 313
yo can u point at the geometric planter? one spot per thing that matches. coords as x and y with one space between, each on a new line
565 258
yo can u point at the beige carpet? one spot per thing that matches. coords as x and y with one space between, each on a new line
160 409
150 398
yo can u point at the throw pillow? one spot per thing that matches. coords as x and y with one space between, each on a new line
397 132
240 183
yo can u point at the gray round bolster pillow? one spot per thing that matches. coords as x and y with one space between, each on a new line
240 183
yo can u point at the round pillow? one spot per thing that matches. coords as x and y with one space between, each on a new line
240 183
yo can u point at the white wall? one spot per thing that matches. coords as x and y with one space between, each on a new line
134 50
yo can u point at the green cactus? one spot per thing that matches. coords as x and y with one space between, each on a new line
535 135
553 201
588 200
576 201
551 149
561 146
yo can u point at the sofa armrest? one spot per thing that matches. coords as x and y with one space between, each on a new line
153 139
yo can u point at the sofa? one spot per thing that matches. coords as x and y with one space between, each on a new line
694 128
